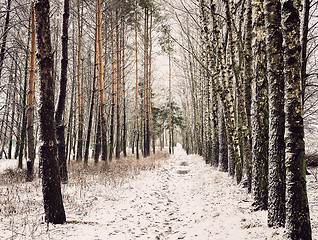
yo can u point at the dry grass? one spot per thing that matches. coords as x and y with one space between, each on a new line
21 203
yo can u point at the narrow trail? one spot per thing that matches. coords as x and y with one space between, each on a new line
184 199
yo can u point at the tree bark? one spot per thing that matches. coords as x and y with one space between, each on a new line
297 209
53 204
259 111
275 76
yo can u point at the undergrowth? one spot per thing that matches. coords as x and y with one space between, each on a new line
21 202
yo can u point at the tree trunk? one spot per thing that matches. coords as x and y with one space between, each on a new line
31 151
91 111
53 204
101 82
24 116
259 111
276 169
124 142
118 55
79 154
60 128
297 209
136 92
5 34
112 115
170 133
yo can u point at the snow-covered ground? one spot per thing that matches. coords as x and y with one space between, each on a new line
182 199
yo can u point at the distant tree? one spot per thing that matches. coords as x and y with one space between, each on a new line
51 187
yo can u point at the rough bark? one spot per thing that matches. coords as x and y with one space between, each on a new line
276 150
297 209
259 110
53 204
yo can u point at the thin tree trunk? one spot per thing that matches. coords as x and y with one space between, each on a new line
124 142
5 35
91 111
101 82
24 115
79 154
118 55
170 132
111 137
60 128
53 203
31 152
136 92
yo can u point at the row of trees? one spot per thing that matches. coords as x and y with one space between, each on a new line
249 69
94 90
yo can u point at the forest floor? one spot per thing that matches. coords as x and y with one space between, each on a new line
178 197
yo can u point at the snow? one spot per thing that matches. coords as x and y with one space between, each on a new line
182 199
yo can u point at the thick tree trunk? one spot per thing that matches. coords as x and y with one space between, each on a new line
53 204
259 111
297 209
31 150
276 169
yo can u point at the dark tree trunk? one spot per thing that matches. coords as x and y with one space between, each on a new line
276 170
24 116
97 139
60 128
5 34
297 209
51 187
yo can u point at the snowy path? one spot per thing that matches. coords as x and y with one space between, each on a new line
184 199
